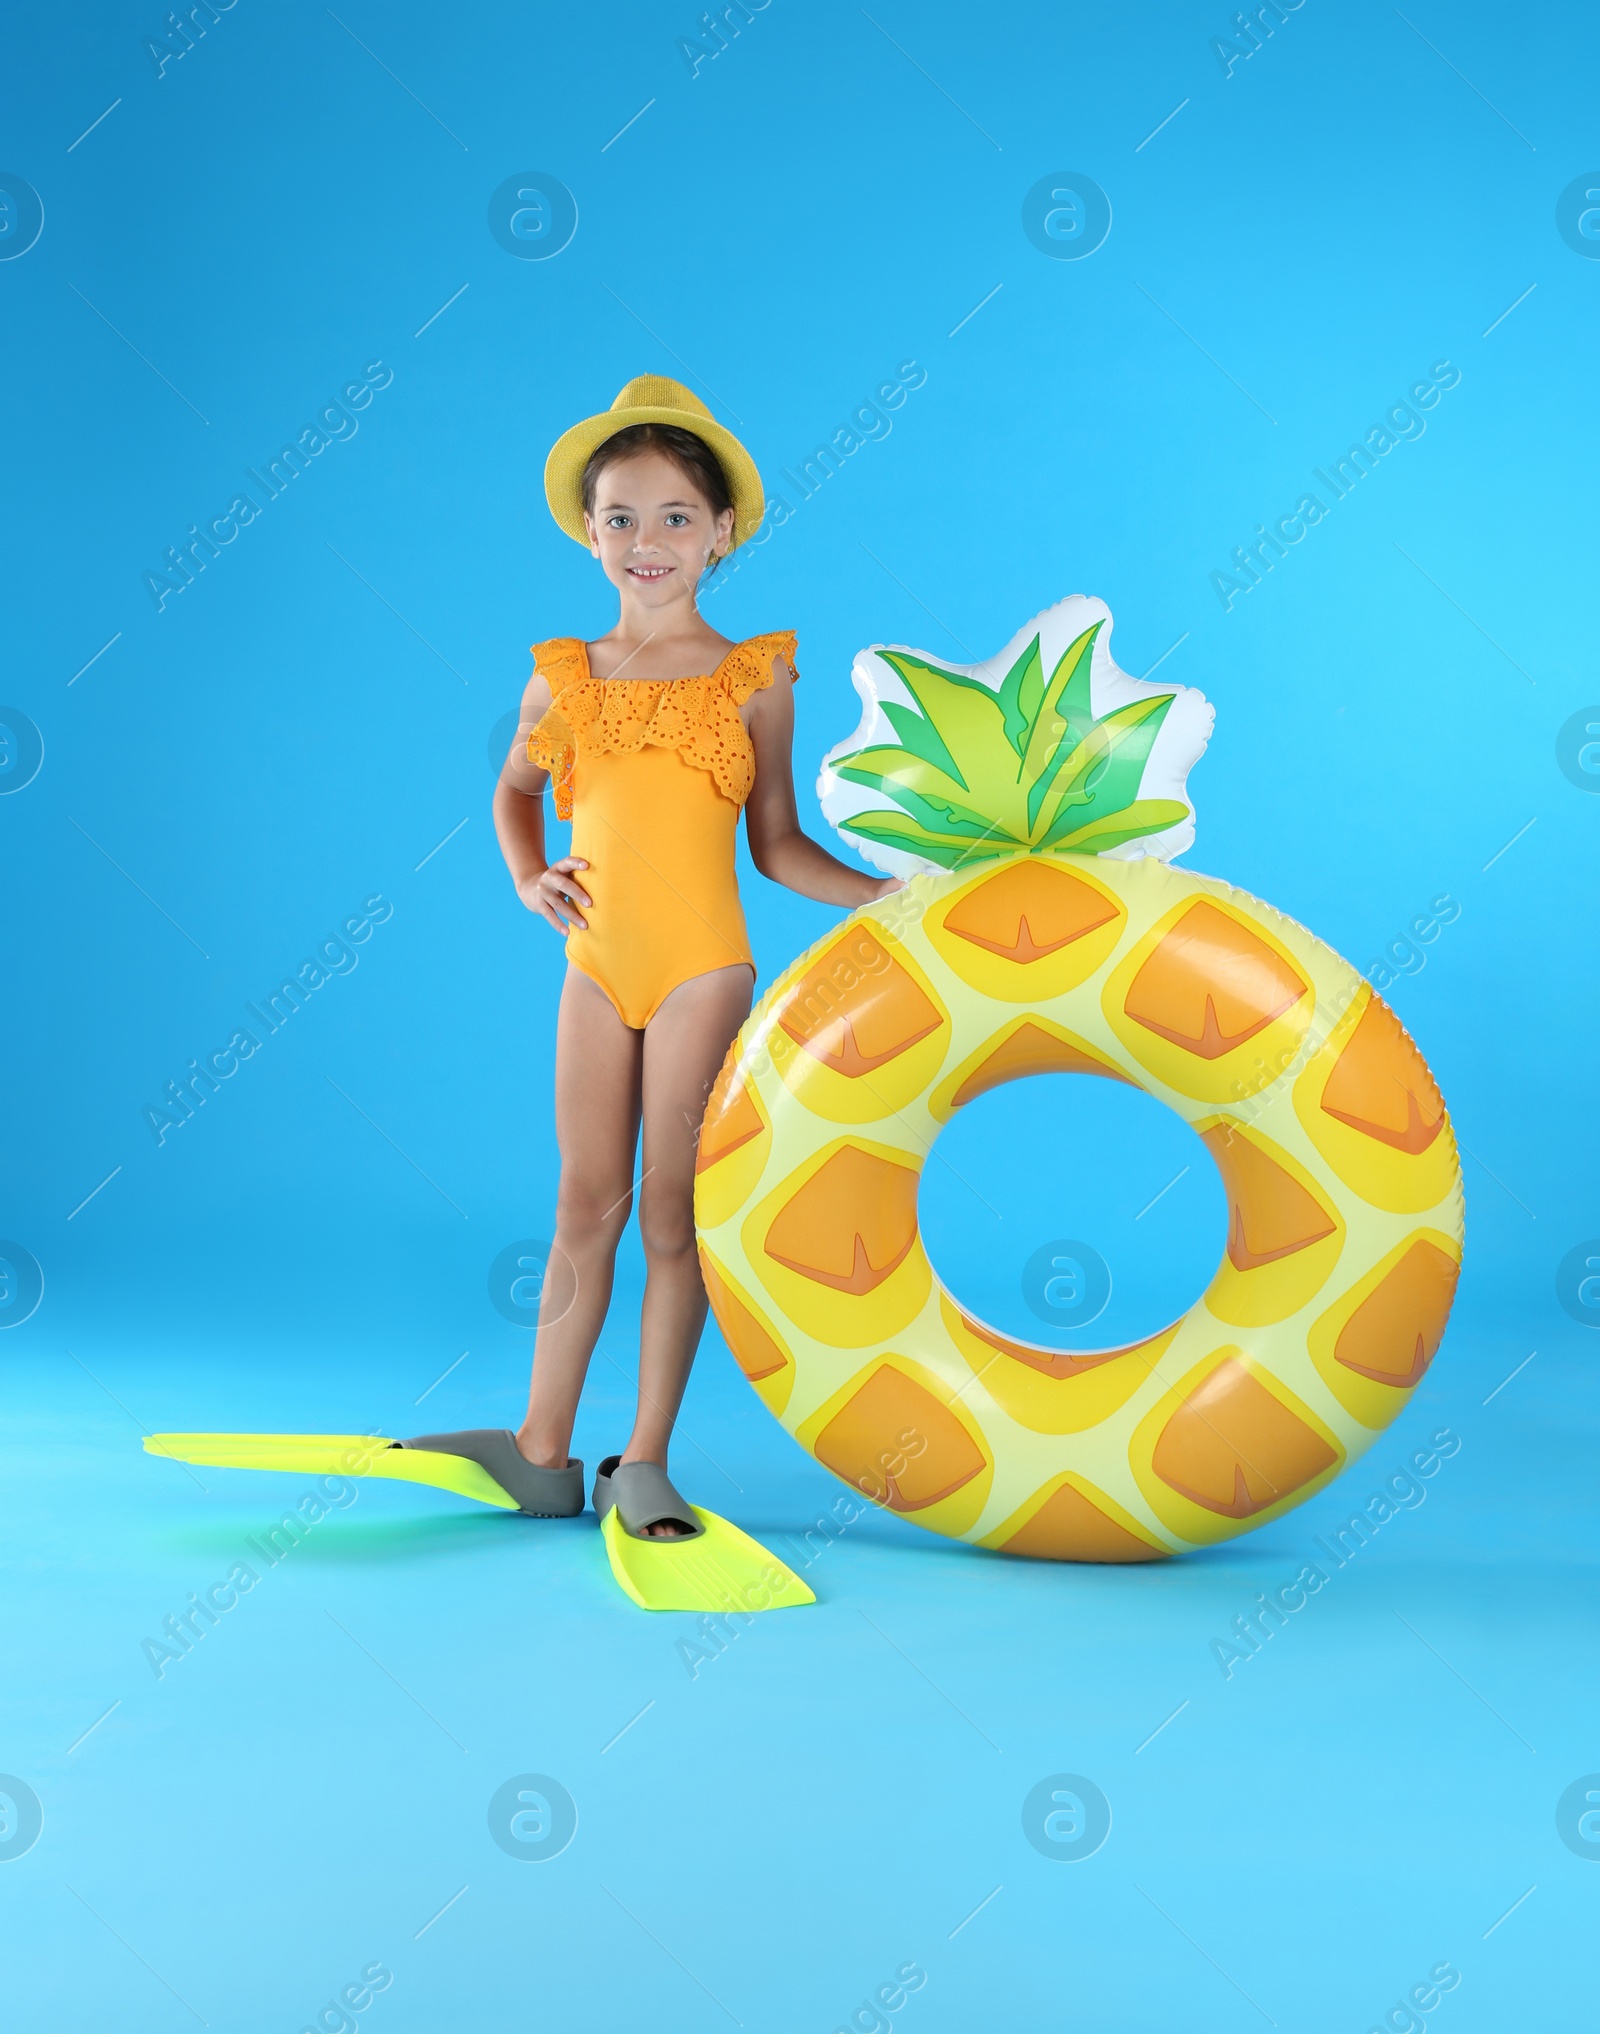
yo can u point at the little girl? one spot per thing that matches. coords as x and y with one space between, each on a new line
656 735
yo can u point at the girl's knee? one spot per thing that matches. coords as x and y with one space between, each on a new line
666 1226
591 1211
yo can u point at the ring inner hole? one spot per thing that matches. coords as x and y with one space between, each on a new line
1072 1211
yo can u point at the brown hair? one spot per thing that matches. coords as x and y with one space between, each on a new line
692 456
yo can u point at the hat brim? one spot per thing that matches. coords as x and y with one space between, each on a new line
563 470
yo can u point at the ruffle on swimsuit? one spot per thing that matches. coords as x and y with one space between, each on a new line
699 717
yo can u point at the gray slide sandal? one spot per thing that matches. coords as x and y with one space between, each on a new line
541 1493
643 1495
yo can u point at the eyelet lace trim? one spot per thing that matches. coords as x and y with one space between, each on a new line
699 717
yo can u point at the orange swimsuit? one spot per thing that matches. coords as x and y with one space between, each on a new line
652 773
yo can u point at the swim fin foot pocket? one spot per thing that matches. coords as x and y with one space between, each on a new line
713 1567
643 1495
542 1493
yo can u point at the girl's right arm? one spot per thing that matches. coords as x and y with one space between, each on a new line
549 889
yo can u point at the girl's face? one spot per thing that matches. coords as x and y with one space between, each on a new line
652 529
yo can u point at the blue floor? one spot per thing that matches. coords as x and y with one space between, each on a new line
778 1826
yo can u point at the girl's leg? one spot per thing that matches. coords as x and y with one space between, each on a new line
685 1044
598 1068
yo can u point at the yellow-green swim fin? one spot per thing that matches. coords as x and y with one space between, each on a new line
720 1569
716 1567
482 1463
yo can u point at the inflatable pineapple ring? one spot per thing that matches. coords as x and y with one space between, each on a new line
1343 1186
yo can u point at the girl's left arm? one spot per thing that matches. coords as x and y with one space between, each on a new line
778 848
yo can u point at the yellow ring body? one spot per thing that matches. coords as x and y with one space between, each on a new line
1343 1185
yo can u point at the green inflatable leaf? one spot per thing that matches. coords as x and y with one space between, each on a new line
954 764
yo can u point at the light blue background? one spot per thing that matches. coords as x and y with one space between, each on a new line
298 731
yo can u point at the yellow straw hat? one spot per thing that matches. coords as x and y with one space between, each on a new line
651 399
